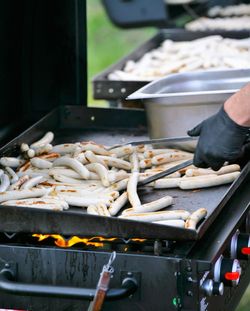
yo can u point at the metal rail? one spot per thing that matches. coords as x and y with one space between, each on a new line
7 284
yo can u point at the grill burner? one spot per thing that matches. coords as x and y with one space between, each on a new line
138 246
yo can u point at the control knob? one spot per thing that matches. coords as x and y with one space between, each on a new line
211 287
227 271
240 246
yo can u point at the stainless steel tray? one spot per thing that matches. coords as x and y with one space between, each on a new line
194 87
103 88
177 103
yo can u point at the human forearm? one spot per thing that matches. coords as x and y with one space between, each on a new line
238 106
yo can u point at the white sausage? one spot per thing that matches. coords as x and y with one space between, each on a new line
155 205
81 158
43 149
140 156
46 139
13 176
132 190
50 157
122 151
70 173
32 182
202 171
40 163
101 171
24 147
118 204
120 185
22 194
115 162
64 148
146 163
71 190
97 149
201 182
42 205
45 203
19 183
116 176
155 216
74 164
30 153
149 173
77 151
135 167
195 217
56 200
166 183
170 157
64 171
111 196
5 182
65 179
153 152
34 173
86 186
92 210
92 158
142 148
85 201
102 210
11 161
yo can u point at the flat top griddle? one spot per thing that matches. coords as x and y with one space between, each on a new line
74 123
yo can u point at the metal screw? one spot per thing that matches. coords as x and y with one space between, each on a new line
6 265
129 274
189 269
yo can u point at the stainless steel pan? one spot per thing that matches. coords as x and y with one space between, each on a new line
177 103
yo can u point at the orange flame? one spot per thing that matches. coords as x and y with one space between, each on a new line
93 241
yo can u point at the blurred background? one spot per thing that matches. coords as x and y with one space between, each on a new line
106 45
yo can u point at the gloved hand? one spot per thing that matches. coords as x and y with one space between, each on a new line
221 139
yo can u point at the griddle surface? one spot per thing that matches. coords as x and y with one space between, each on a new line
76 221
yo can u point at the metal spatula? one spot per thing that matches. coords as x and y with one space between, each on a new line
155 141
165 173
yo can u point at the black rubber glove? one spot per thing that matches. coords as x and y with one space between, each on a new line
221 139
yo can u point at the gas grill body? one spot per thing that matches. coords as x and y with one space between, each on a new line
46 67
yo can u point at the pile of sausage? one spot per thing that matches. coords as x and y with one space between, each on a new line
103 179
230 10
219 23
211 52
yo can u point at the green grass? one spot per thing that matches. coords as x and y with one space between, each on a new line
108 43
245 301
